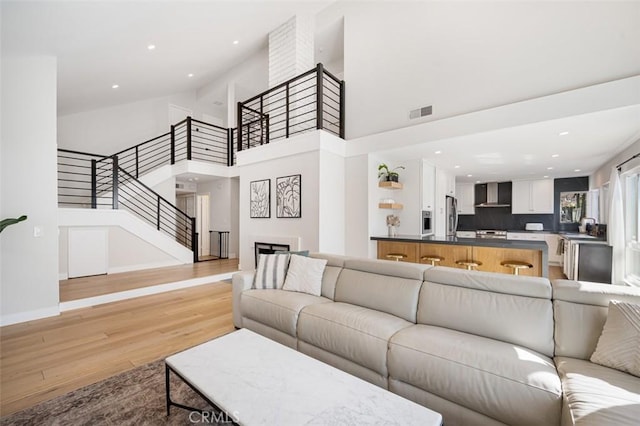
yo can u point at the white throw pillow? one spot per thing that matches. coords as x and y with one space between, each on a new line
619 343
305 275
271 271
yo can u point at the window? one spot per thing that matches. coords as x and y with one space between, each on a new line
631 188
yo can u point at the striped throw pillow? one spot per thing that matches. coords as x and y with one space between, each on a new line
271 271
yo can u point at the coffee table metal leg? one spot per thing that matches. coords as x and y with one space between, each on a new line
167 389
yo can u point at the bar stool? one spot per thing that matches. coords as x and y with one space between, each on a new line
432 259
396 256
516 265
469 264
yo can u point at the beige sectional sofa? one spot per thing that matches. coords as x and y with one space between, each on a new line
480 348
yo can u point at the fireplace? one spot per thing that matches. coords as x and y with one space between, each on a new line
269 248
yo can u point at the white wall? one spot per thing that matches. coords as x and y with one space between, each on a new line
316 156
29 265
125 252
429 49
109 130
357 209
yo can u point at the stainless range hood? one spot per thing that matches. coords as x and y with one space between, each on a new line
492 197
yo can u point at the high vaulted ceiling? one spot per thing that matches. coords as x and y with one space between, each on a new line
102 43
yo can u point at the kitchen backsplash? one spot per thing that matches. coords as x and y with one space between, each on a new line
501 218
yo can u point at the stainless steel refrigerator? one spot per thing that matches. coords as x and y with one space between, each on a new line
451 215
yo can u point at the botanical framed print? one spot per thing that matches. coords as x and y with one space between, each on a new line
289 196
260 198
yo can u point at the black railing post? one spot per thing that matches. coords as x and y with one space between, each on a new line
229 147
114 185
239 123
158 213
188 138
137 168
173 144
262 120
319 96
286 120
194 240
266 119
342 109
94 185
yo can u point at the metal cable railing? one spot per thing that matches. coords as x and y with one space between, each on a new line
312 100
80 176
140 200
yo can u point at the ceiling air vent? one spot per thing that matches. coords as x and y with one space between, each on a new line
421 112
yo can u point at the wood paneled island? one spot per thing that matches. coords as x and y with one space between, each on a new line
490 252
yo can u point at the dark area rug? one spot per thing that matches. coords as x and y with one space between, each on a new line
135 397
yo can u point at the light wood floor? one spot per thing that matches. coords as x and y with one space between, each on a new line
81 288
42 359
555 273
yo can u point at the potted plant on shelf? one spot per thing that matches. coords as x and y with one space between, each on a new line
389 175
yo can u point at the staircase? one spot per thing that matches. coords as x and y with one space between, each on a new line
310 101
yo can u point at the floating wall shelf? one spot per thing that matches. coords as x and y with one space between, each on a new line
389 185
394 206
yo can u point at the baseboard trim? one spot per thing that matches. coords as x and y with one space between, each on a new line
64 276
36 314
144 291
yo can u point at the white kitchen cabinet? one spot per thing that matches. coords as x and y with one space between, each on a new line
428 176
465 192
445 185
532 197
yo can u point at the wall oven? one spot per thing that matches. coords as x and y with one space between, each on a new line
427 222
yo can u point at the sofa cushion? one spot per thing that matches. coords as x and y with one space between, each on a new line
305 275
580 311
391 287
332 271
596 395
619 344
278 309
513 318
509 383
271 271
353 332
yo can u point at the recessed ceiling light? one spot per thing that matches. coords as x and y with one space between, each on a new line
563 133
469 175
556 155
195 178
549 168
456 167
190 75
576 170
151 46
477 181
438 152
115 86
235 42
545 176
190 180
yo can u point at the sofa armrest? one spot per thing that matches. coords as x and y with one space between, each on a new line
241 281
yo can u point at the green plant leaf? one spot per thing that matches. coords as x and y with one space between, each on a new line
11 221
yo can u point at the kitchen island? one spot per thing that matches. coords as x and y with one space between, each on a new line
491 252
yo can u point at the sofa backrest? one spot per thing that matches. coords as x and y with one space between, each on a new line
383 285
580 311
514 309
332 271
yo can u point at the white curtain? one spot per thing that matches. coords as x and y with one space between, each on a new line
615 228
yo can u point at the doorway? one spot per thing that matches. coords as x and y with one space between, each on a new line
202 226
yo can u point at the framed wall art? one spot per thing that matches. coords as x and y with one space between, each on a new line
260 199
289 196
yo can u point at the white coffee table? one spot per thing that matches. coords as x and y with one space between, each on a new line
257 381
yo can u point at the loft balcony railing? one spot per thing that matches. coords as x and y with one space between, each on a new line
310 101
